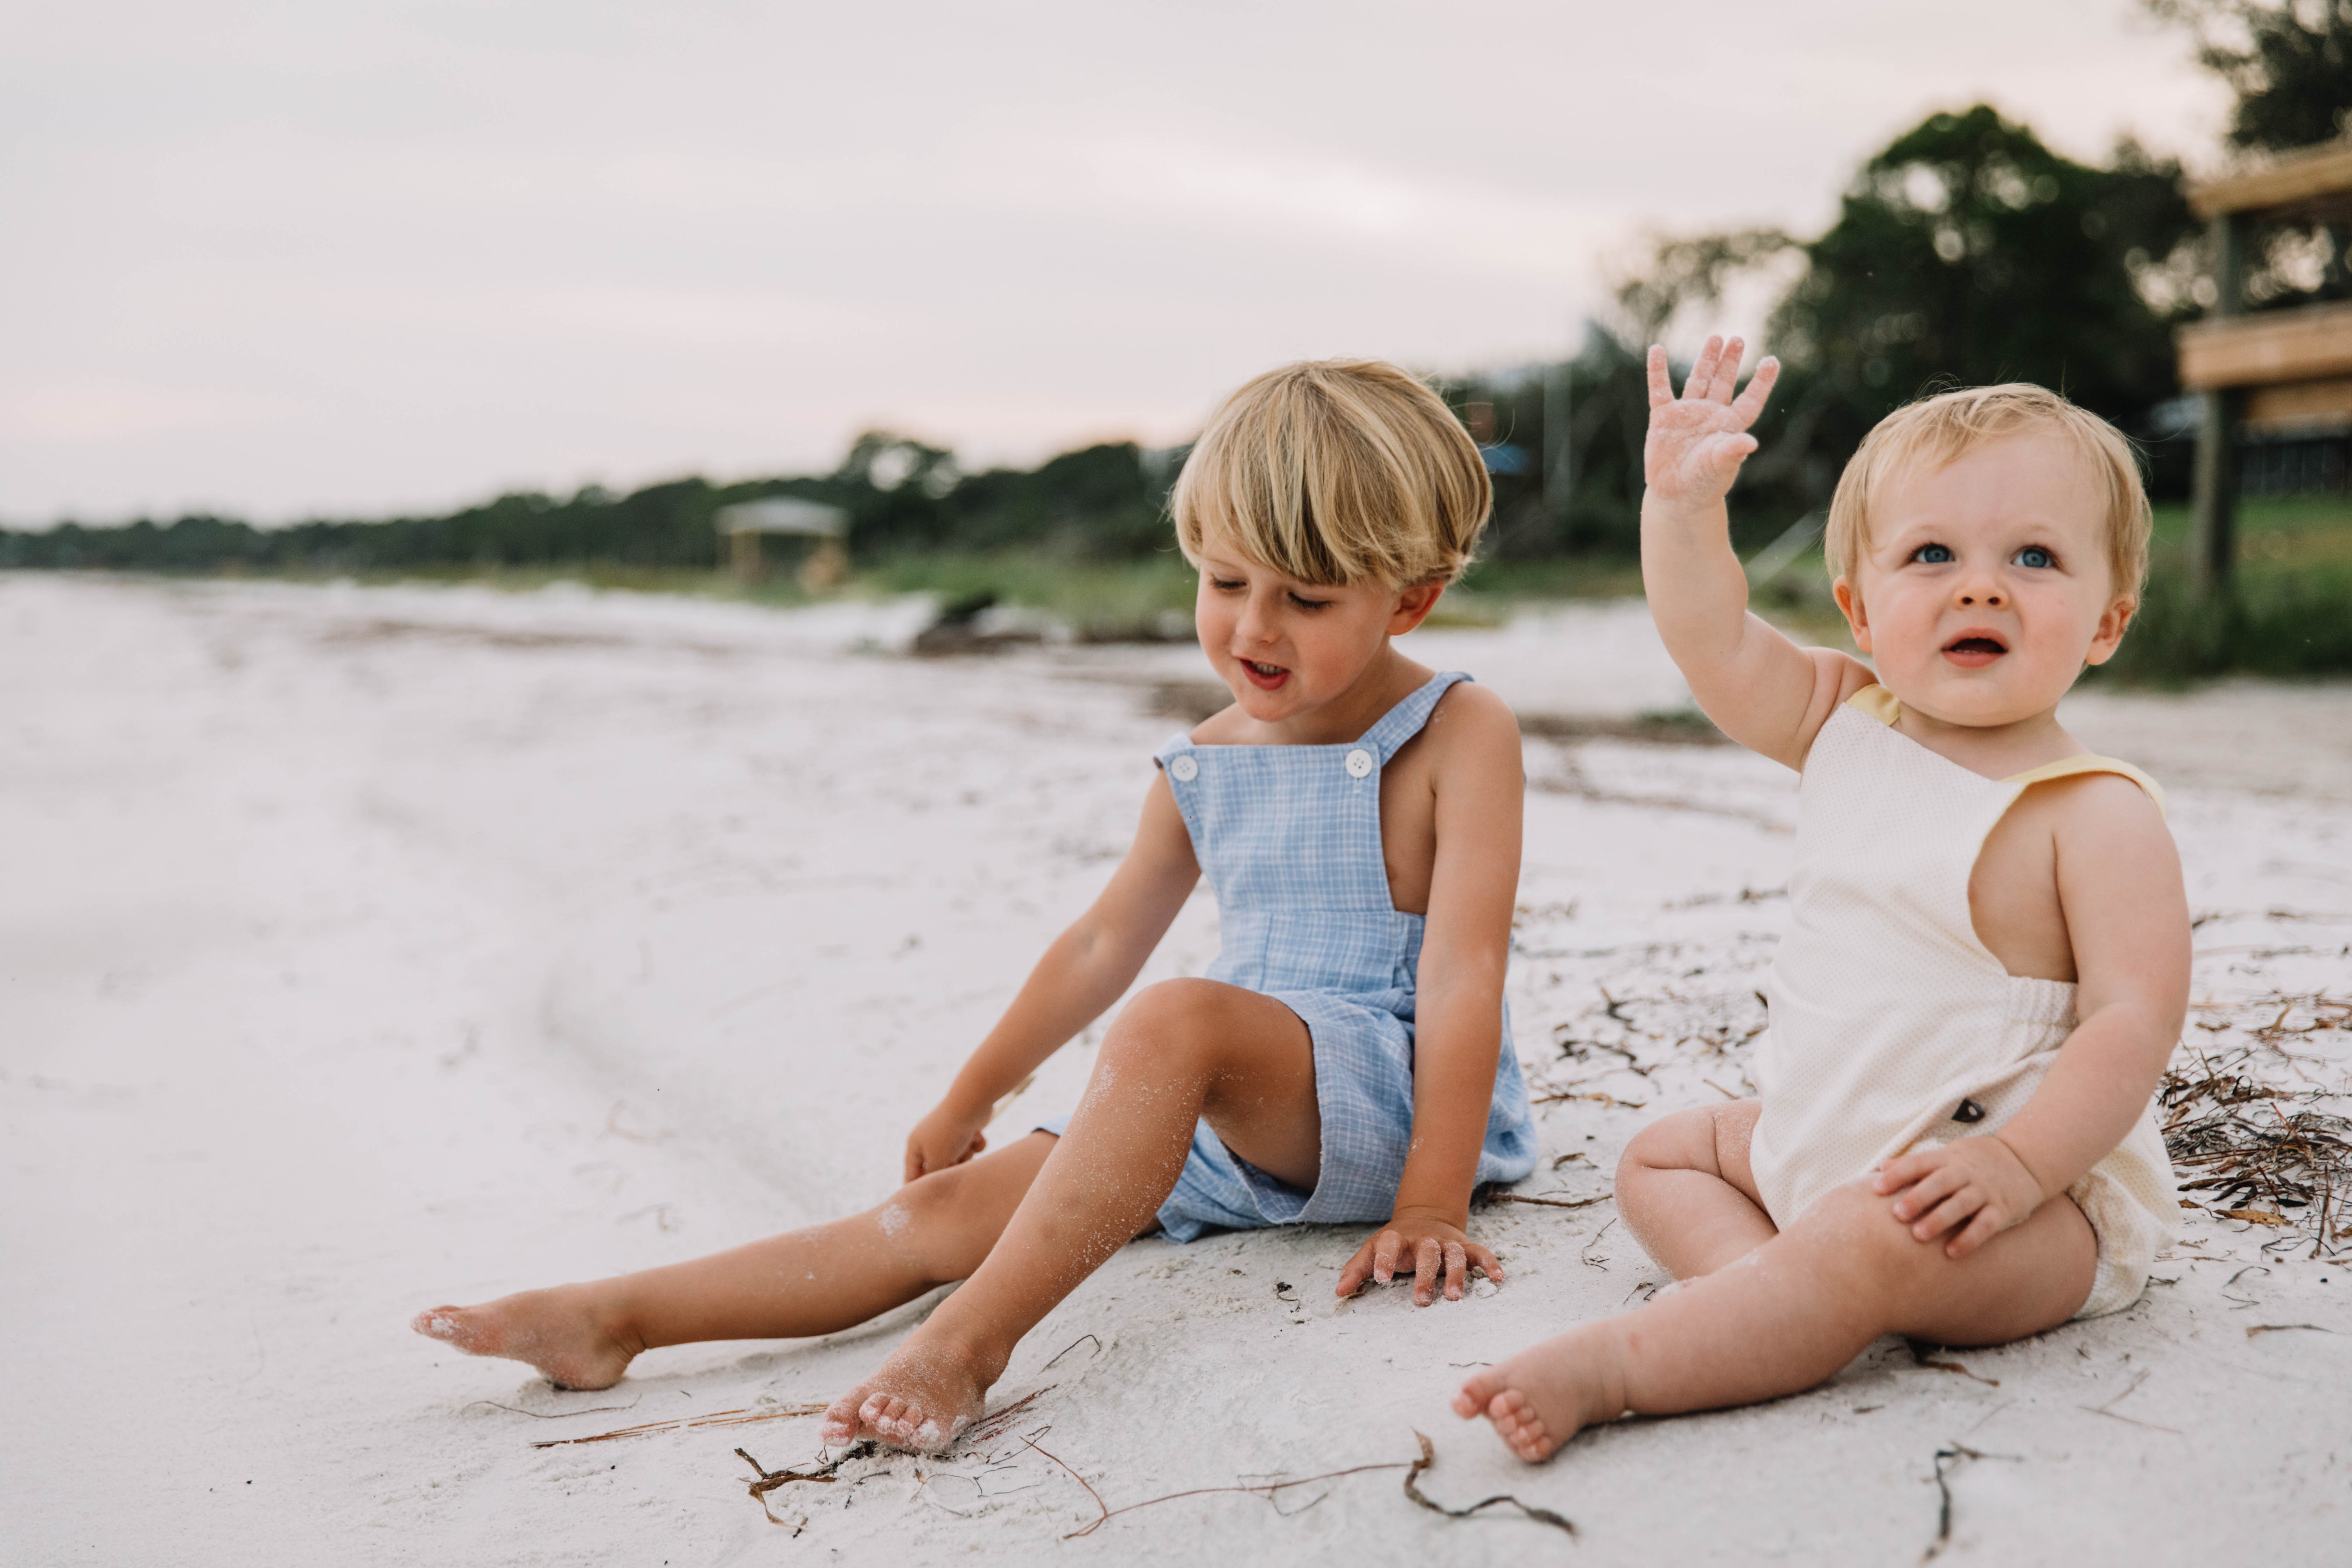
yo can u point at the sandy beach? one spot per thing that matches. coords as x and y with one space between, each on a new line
366 949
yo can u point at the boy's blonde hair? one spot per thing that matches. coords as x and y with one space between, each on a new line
1937 430
1336 472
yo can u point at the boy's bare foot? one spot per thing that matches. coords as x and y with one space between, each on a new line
559 1332
921 1398
1541 1398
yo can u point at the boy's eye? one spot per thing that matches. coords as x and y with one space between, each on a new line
1303 602
1933 554
2035 555
1227 585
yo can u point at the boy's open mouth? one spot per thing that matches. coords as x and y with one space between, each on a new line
1265 676
1974 651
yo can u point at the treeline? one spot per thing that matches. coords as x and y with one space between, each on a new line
901 495
1964 252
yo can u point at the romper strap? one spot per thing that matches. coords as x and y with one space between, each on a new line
1404 722
2067 767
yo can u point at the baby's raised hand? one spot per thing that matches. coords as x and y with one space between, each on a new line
1698 441
1430 1246
1973 1187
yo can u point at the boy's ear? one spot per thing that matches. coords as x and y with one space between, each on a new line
1858 619
2109 634
1413 605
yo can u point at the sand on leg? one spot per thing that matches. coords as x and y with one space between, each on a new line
816 1280
1183 1051
1787 1316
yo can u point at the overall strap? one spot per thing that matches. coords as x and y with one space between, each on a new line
1404 722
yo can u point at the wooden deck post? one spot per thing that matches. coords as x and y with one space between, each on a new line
2213 538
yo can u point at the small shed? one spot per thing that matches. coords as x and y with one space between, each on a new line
2277 373
744 523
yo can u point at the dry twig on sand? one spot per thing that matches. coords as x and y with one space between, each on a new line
1946 1459
1104 1513
718 1418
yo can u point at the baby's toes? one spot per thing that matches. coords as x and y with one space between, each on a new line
841 1419
1474 1395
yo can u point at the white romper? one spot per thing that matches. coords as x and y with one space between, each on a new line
1893 1026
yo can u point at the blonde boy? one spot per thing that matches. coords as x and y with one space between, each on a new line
1346 1059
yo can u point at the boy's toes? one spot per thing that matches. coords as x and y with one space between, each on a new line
842 1419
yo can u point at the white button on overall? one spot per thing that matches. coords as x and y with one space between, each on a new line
1183 770
1359 763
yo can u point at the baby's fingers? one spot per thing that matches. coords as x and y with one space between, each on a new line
1750 403
1949 1214
1987 1225
1661 386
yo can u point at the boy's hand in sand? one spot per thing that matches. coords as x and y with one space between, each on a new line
1973 1187
1430 1246
945 1138
1698 441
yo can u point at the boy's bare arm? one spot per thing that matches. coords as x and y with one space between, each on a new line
1480 786
1759 687
1086 969
2126 914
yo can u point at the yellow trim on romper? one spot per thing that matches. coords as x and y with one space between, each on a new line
1883 705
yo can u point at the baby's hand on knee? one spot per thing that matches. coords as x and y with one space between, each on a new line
1971 1190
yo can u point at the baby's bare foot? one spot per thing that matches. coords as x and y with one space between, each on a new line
922 1398
559 1332
1540 1397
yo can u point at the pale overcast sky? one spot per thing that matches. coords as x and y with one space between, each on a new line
278 259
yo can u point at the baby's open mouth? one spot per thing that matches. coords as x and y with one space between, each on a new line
1974 651
1265 676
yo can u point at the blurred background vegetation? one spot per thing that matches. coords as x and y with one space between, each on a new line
1964 252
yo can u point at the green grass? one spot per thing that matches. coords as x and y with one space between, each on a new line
2290 614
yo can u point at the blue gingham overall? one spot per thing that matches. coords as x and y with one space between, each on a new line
1289 839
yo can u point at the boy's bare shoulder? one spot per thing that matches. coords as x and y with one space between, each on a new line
1471 720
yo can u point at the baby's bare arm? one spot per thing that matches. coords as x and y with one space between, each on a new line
1081 975
2128 919
1759 687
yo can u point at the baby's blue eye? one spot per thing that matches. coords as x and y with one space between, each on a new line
1933 554
2035 555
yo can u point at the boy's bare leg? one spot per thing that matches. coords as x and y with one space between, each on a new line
1181 1050
814 1281
1786 1315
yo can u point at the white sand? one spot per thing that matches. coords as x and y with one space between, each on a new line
369 949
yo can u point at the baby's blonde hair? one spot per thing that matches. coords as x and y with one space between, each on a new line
1337 472
1937 430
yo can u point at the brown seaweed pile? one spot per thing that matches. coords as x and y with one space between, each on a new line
2248 1147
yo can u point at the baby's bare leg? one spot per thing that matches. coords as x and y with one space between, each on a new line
1183 1049
1787 1315
814 1281
1686 1193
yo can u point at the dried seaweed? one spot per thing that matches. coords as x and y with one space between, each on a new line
2261 1153
1946 1459
1104 1513
1428 1461
771 1479
1550 1202
1919 1355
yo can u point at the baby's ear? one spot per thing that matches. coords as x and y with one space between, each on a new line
2109 634
1849 603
